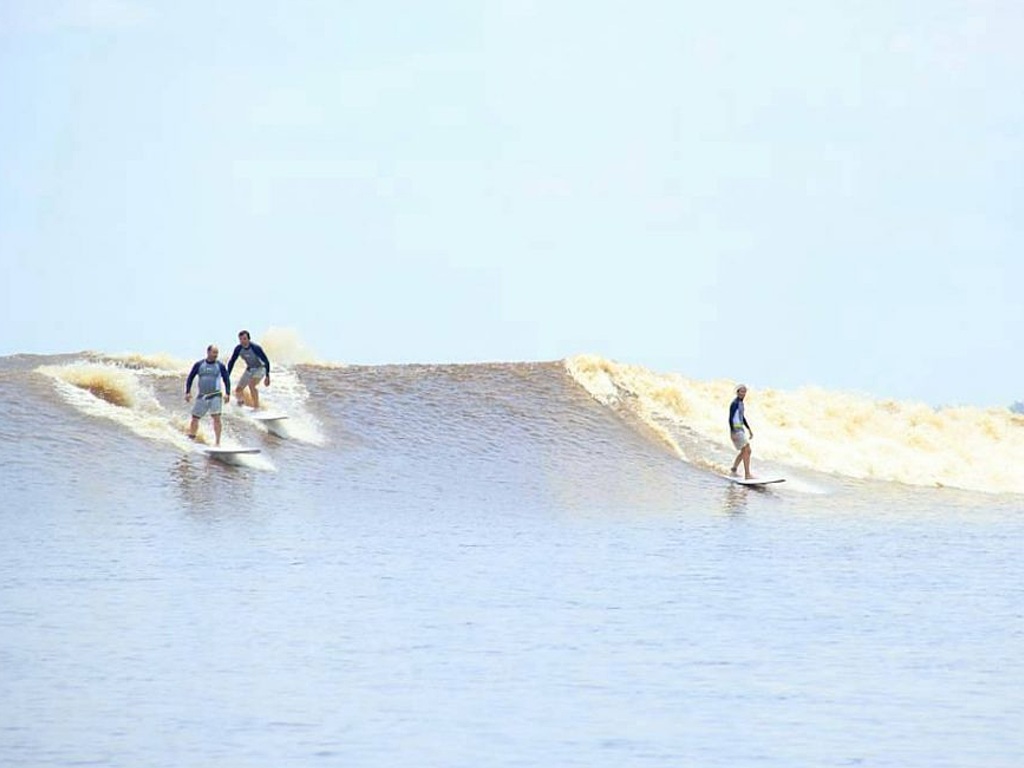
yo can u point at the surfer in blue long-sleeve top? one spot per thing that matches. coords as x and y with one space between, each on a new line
738 428
257 366
210 372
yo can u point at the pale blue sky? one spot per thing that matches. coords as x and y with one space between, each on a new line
788 193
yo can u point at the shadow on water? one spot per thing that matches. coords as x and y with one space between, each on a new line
737 497
211 488
735 500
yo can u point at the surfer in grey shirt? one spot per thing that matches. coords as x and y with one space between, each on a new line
257 366
210 372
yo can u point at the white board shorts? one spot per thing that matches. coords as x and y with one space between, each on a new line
252 376
208 405
739 438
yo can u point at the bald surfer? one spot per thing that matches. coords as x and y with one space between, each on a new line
210 372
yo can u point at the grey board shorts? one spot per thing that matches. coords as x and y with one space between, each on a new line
208 404
739 438
252 375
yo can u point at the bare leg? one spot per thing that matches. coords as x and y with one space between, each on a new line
193 427
739 458
255 396
745 453
216 426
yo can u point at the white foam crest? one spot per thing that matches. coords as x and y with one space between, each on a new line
159 364
118 394
122 398
611 385
831 432
288 395
283 346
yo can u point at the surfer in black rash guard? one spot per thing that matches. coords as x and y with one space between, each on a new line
257 366
738 428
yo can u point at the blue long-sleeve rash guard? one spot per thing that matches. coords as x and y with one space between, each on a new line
737 418
254 356
207 373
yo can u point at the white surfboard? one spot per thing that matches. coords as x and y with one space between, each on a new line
273 421
218 452
755 480
268 416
